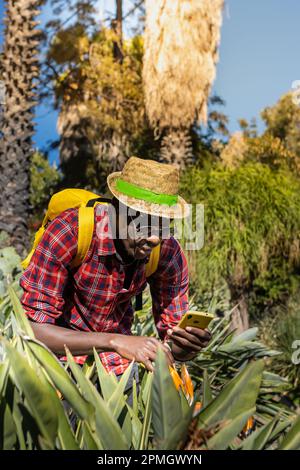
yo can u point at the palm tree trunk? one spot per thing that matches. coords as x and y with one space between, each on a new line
176 147
117 25
240 316
20 70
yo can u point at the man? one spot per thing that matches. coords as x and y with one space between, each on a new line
91 306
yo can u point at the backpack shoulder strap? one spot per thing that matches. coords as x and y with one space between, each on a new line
85 233
152 264
86 222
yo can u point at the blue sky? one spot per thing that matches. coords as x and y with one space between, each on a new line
258 59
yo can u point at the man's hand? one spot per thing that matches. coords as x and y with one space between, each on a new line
186 343
140 348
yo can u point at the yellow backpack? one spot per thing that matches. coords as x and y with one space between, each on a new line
85 201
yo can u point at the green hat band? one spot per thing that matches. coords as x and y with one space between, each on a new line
133 190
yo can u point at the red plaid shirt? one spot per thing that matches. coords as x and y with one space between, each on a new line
92 296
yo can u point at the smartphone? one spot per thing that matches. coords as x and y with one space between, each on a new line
196 319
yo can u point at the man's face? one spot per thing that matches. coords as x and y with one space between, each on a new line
141 248
145 232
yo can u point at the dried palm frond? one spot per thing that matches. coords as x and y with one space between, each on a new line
181 41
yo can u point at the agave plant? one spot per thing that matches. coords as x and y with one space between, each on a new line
32 416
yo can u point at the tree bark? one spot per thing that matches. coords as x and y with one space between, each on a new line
176 147
117 26
20 70
240 316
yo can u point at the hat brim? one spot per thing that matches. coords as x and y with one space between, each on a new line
177 211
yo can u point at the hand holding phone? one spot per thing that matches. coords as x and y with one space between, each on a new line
190 335
196 320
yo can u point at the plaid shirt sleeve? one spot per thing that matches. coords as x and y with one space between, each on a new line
169 287
44 280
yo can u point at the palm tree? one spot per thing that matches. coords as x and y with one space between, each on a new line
20 70
181 41
1 91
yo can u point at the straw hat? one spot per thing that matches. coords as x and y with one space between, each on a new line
150 187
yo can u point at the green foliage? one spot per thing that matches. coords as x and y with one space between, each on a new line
231 402
227 354
278 146
10 268
102 116
171 416
44 180
292 440
281 330
159 417
282 121
113 88
252 225
10 272
271 151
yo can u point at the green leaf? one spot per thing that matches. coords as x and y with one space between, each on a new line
259 438
89 439
107 427
137 427
169 423
88 367
65 433
237 397
292 439
217 337
107 381
8 434
185 406
146 394
66 438
20 315
281 426
248 335
145 387
127 427
18 416
178 433
135 398
207 393
3 375
229 431
9 260
166 406
37 396
240 347
61 379
117 400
